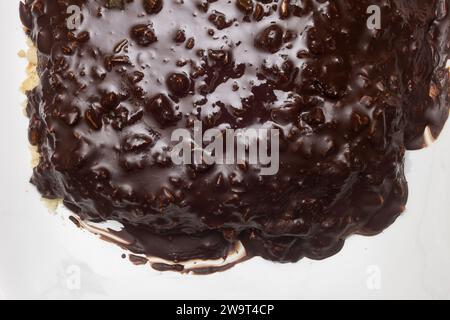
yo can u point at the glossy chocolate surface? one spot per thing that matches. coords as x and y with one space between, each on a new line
348 101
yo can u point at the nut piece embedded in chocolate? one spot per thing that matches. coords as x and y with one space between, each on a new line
270 39
153 6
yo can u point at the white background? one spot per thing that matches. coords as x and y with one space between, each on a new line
45 256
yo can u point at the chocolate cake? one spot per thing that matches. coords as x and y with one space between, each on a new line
117 77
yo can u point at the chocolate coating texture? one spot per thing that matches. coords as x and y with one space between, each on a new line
347 100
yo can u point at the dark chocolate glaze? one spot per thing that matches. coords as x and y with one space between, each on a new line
348 101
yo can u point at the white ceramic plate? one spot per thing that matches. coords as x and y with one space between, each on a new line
45 256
